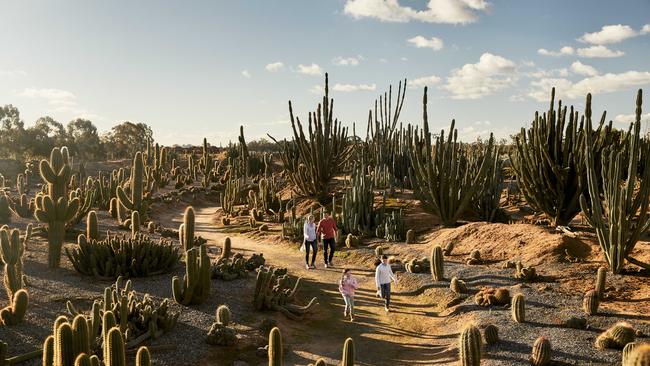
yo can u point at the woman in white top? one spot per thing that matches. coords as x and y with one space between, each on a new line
309 232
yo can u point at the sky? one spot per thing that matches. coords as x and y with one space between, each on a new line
194 69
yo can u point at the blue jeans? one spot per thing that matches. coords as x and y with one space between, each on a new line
385 293
314 247
349 304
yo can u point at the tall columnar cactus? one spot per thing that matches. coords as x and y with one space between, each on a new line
621 215
437 264
135 202
442 173
206 165
114 353
92 226
186 229
590 303
229 196
348 353
15 312
358 213
601 280
135 224
276 357
487 200
518 308
541 355
5 211
312 161
549 160
143 357
54 208
11 252
469 345
195 287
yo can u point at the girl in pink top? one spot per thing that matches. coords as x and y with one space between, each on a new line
347 285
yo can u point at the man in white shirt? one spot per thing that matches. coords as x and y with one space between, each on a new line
383 277
309 232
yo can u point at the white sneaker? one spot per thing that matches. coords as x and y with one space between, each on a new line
326 266
387 309
307 266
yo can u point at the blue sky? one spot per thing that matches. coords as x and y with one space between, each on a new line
202 68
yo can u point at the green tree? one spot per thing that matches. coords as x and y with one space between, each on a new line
12 133
45 135
126 138
84 140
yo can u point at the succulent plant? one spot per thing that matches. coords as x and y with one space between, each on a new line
15 311
223 315
12 249
195 287
458 286
541 355
469 345
518 308
276 357
348 353
491 334
590 303
638 355
410 236
186 229
437 264
617 337
601 278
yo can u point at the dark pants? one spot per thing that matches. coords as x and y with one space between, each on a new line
328 244
314 247
385 293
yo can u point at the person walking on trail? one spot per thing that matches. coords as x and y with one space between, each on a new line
309 230
327 230
347 286
383 277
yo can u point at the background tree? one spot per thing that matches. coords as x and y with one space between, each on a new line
84 140
126 138
13 137
45 135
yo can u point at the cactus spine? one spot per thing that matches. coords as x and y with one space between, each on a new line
437 264
518 306
54 208
639 355
590 303
186 229
348 353
469 344
541 355
276 357
195 287
626 212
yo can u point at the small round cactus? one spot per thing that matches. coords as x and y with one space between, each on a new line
410 236
621 334
437 264
502 295
518 308
491 334
541 355
469 344
637 356
590 303
223 315
458 286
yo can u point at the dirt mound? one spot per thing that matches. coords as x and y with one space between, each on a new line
531 244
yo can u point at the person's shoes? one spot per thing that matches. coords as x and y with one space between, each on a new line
351 318
326 266
387 309
330 264
307 266
345 313
312 266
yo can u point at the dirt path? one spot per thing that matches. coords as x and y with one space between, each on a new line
380 338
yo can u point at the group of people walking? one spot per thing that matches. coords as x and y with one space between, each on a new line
326 231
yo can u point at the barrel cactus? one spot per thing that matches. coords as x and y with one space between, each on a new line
541 355
275 348
518 308
601 278
437 264
637 356
491 334
223 315
590 303
469 344
348 353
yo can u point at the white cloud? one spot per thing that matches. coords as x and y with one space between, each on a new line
599 52
437 11
528 63
246 74
434 43
598 84
645 29
312 69
353 87
473 81
609 34
275 66
629 118
346 61
404 59
383 60
13 73
53 96
564 51
425 81
582 69
541 73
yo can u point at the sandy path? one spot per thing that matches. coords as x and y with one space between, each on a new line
379 337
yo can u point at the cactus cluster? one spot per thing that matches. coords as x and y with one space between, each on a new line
619 210
15 311
393 226
446 184
134 199
12 249
312 161
275 290
490 296
358 215
23 207
195 287
525 273
138 317
458 286
474 257
275 350
231 268
418 265
220 333
136 256
616 337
